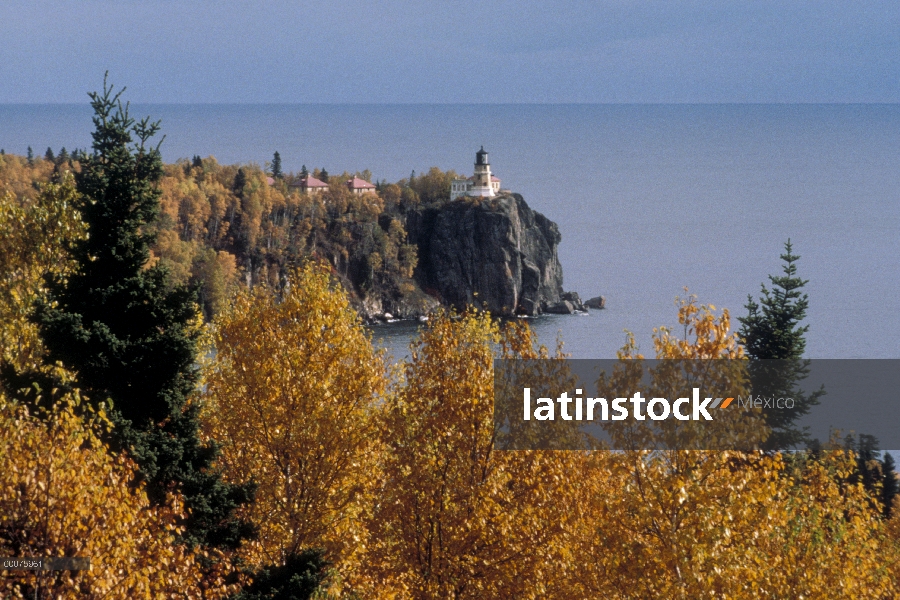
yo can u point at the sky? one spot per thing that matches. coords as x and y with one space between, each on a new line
452 51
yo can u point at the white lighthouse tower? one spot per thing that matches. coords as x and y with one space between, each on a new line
482 183
481 180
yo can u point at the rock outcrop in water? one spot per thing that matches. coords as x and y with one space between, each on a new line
494 253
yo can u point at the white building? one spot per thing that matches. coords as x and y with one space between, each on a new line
482 183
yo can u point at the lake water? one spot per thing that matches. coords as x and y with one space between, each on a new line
649 199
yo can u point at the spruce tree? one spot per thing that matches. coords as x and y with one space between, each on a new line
298 578
276 166
48 155
890 486
772 330
131 336
875 474
240 180
30 156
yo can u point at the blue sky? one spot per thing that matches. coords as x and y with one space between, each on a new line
456 51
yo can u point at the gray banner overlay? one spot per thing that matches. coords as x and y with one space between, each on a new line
55 563
694 404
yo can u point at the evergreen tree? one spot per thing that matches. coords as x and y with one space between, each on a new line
48 155
874 473
323 175
30 156
304 172
297 579
63 157
276 166
772 330
197 161
868 467
890 487
130 335
240 180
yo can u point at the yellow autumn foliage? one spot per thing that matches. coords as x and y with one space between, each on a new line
400 483
34 232
291 393
62 493
713 524
453 517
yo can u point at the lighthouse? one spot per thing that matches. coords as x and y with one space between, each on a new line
481 180
482 183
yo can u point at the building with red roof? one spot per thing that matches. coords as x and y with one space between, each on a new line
359 186
309 185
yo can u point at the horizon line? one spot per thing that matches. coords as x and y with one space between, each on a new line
753 103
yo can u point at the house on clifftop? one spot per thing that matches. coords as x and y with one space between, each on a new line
482 183
359 186
309 184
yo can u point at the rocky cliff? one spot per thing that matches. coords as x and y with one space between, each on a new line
494 253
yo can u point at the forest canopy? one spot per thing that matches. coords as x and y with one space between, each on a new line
221 225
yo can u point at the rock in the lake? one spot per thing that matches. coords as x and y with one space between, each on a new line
575 299
494 253
563 307
598 302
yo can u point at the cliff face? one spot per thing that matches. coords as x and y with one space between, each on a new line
495 253
366 259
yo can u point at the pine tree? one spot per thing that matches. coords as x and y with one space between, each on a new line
63 157
48 155
30 156
868 467
890 487
772 330
129 334
240 180
276 166
875 474
297 579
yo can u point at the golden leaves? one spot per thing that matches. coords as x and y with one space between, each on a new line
457 518
401 485
291 392
63 494
695 524
34 234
